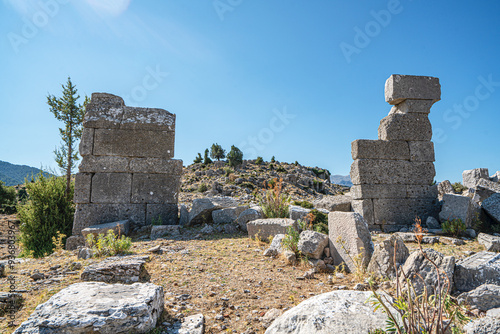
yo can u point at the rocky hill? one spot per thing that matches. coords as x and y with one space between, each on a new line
250 178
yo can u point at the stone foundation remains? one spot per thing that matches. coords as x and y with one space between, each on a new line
392 176
127 171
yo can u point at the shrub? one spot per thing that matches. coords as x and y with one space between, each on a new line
206 159
259 161
281 169
202 188
248 185
235 156
291 239
320 221
8 199
47 211
454 227
458 187
304 204
296 163
228 171
274 202
271 166
273 160
198 159
437 313
109 244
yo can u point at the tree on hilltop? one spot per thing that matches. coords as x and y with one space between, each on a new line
235 156
67 110
217 152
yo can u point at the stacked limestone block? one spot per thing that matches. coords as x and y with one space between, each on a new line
392 176
127 170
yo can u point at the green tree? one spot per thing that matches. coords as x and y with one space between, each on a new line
67 110
259 161
235 156
7 199
206 159
273 160
217 152
198 159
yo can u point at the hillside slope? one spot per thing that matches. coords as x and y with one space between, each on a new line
13 174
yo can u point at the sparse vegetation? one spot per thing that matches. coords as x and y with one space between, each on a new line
8 199
198 159
273 160
109 244
274 202
455 227
48 211
458 187
235 156
291 240
259 161
304 204
202 188
206 159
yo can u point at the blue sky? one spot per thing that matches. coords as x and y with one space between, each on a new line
299 80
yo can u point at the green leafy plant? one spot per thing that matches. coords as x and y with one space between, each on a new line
109 244
259 161
411 313
58 243
157 221
274 202
47 211
202 188
458 187
454 227
235 156
291 240
320 221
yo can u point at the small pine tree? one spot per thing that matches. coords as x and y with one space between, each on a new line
198 159
235 156
273 160
259 161
206 159
217 152
67 110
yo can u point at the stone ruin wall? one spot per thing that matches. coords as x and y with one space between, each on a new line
127 171
392 176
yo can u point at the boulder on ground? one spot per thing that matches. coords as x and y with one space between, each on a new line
342 312
382 261
471 177
202 209
270 316
457 207
432 223
486 325
490 242
349 239
184 215
269 227
445 187
275 248
96 307
227 215
159 231
194 324
492 207
121 227
85 253
117 269
246 216
486 188
484 298
298 212
312 243
422 272
478 269
334 203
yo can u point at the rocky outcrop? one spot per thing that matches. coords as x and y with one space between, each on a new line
383 259
483 298
227 215
341 312
478 269
470 178
486 325
490 242
492 207
93 307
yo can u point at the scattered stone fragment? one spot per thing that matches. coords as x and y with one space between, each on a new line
290 257
270 316
382 261
423 274
265 228
155 249
98 307
227 215
230 229
37 276
432 223
119 228
478 269
484 298
490 242
492 207
486 325
298 212
160 231
312 243
117 269
246 216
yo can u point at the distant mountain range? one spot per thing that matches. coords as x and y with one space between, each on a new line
344 180
13 175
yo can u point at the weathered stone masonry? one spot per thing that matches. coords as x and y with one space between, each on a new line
127 170
392 176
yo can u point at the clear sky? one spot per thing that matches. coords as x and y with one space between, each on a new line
296 79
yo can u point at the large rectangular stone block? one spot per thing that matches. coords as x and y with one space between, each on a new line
167 214
380 149
475 270
421 191
104 164
423 106
147 119
364 208
421 151
364 191
82 187
403 211
87 142
401 87
134 143
92 214
105 111
111 188
409 127
155 188
156 165
373 171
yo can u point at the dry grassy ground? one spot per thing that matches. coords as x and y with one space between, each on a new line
222 274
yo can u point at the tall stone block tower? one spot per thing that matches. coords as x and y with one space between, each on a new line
127 171
392 176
